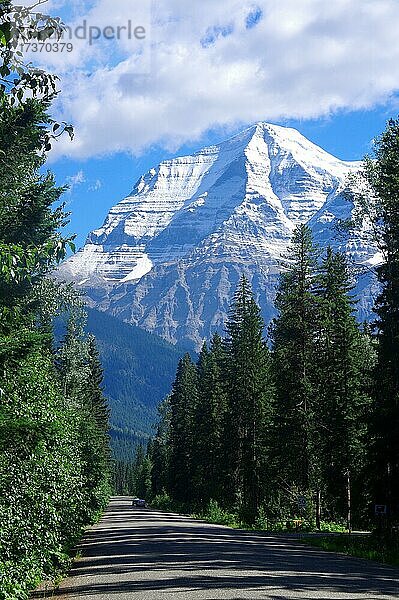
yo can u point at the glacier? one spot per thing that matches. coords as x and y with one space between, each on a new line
169 256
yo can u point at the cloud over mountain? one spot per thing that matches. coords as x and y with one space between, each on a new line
207 64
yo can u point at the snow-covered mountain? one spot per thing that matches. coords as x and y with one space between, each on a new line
169 256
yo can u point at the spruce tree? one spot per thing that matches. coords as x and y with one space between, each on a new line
183 400
293 335
248 402
344 361
208 422
381 175
81 380
97 402
160 451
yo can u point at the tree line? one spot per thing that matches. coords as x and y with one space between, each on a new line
54 449
304 424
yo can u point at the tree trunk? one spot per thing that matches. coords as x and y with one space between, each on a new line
349 501
318 509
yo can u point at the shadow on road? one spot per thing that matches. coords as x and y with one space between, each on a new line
133 551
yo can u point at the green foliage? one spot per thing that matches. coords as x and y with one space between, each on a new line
249 404
212 442
30 240
277 439
54 451
345 360
164 502
382 177
160 451
293 343
208 421
183 400
362 546
331 527
322 364
134 478
18 79
45 497
215 514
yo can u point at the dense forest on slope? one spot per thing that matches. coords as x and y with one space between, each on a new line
54 443
139 369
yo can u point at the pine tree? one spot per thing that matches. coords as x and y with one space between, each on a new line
382 178
248 403
344 361
183 400
208 422
81 380
293 336
98 404
160 451
143 479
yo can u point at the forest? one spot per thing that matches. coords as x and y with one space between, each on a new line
300 426
54 444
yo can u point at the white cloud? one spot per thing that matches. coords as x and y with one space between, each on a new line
213 64
95 186
74 181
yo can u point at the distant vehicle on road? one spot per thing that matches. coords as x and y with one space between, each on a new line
139 502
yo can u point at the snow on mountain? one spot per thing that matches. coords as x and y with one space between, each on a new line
169 256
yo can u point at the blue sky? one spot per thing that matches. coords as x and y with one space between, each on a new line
206 70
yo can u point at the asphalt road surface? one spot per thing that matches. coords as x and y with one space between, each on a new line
142 554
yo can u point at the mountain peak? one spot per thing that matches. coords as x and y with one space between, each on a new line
169 255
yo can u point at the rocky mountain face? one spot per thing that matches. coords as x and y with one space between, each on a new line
169 256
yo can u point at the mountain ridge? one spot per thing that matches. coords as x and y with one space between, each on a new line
168 257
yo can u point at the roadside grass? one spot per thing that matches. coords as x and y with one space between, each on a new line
370 547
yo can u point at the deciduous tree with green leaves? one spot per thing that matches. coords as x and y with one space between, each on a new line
53 442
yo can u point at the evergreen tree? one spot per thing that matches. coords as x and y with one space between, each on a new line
30 241
248 401
53 479
208 422
381 175
160 451
81 379
293 336
183 400
344 361
143 471
98 404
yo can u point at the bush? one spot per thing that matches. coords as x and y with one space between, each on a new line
215 514
163 502
48 492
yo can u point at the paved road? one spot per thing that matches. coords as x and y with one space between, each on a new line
140 554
